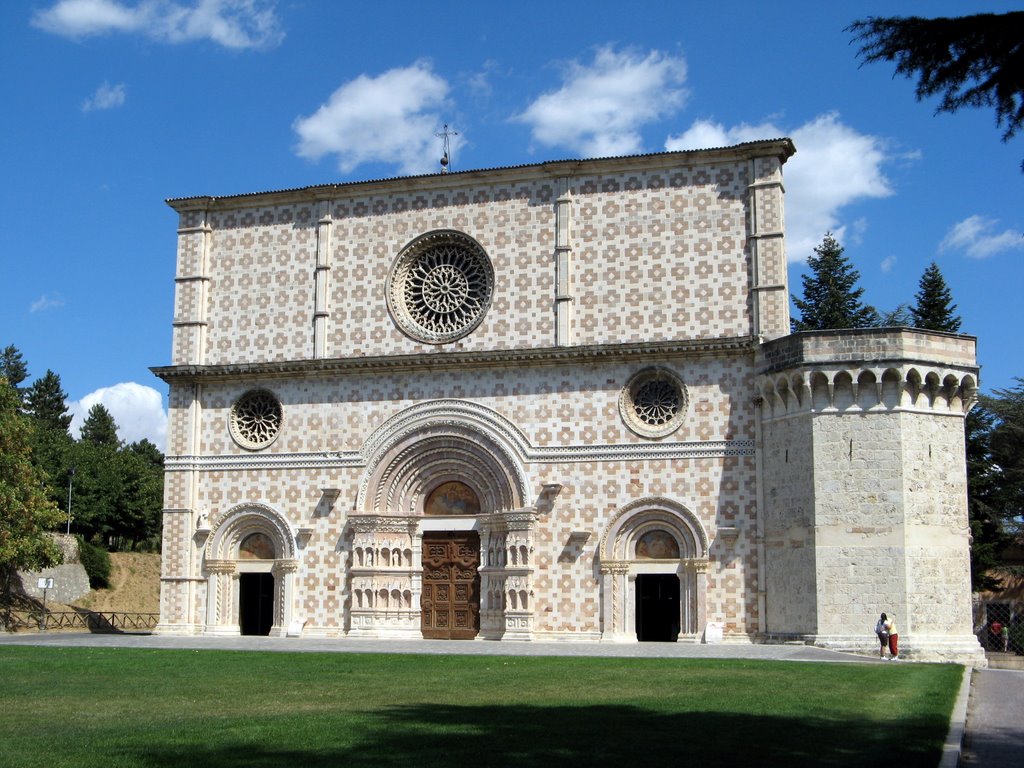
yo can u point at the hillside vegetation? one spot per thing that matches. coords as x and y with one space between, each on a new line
134 585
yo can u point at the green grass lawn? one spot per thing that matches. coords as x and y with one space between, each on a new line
130 707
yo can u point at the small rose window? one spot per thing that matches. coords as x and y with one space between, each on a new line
653 402
256 419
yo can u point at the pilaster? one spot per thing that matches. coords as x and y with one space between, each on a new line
563 265
321 312
770 289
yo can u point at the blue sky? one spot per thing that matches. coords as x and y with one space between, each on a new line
114 106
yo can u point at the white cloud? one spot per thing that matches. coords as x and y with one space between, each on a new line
138 411
888 264
834 166
391 118
600 108
46 301
230 23
107 96
479 83
977 237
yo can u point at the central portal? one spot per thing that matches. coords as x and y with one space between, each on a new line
450 607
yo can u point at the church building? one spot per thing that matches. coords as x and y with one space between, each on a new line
556 401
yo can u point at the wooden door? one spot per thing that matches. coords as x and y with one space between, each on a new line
450 606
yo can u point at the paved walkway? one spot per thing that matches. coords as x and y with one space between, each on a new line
988 719
995 720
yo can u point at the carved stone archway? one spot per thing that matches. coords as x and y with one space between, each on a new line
444 443
223 563
622 559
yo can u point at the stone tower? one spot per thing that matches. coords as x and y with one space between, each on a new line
864 491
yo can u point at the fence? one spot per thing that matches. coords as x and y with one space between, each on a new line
91 621
999 625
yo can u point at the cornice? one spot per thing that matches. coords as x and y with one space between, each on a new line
568 454
781 148
444 360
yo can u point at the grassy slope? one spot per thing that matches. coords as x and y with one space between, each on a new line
134 585
125 707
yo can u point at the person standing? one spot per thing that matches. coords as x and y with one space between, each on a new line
995 630
883 636
894 638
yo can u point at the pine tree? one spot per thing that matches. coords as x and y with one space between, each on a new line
45 400
1007 446
985 499
25 513
831 299
99 428
969 61
13 368
934 308
899 317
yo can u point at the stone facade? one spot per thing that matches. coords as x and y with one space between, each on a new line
585 367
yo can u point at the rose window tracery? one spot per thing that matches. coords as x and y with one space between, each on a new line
256 419
440 287
657 402
653 403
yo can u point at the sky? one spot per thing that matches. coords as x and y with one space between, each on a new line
114 106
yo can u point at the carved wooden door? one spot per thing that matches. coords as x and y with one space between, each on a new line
450 606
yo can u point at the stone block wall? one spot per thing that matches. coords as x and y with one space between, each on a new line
572 435
886 501
665 247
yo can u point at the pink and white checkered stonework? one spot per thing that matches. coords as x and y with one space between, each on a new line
579 374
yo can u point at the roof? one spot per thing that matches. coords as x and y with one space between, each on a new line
781 147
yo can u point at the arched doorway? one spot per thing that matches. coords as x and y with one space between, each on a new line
250 565
450 602
658 612
444 483
653 565
256 557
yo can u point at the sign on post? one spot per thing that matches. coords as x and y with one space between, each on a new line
45 583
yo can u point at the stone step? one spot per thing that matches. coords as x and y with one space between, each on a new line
999 660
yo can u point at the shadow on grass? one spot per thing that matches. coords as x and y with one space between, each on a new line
453 737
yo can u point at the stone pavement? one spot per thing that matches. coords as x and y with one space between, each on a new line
987 721
995 720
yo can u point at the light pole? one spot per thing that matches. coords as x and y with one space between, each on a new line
71 477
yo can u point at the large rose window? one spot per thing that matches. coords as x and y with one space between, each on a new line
440 287
256 419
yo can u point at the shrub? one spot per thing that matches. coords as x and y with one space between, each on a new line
96 562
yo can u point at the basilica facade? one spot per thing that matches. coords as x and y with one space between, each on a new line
557 401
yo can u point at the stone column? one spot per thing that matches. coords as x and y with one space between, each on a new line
613 602
221 588
701 571
284 585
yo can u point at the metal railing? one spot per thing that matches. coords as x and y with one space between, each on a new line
91 621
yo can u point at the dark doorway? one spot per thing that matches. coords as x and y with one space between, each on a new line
657 607
450 604
255 603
